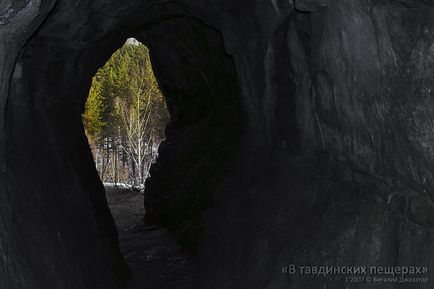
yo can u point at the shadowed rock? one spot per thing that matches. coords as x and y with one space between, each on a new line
301 133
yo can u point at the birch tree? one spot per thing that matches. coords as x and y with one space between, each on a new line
127 110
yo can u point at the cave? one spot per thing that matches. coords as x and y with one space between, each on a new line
301 136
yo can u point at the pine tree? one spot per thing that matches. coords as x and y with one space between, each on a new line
93 116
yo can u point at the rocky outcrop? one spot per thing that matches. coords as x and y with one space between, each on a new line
199 81
301 133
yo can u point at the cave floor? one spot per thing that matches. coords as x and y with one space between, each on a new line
152 254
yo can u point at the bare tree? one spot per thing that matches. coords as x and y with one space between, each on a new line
136 122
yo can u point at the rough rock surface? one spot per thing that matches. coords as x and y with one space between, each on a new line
152 254
301 133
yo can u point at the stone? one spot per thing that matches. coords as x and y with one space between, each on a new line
301 133
311 5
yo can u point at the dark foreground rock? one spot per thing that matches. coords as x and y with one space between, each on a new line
301 133
151 252
156 261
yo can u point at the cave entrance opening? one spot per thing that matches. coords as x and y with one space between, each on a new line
124 120
54 187
125 117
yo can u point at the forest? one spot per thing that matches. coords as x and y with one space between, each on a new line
125 116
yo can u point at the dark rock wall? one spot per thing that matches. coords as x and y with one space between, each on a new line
304 129
199 81
355 189
56 216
